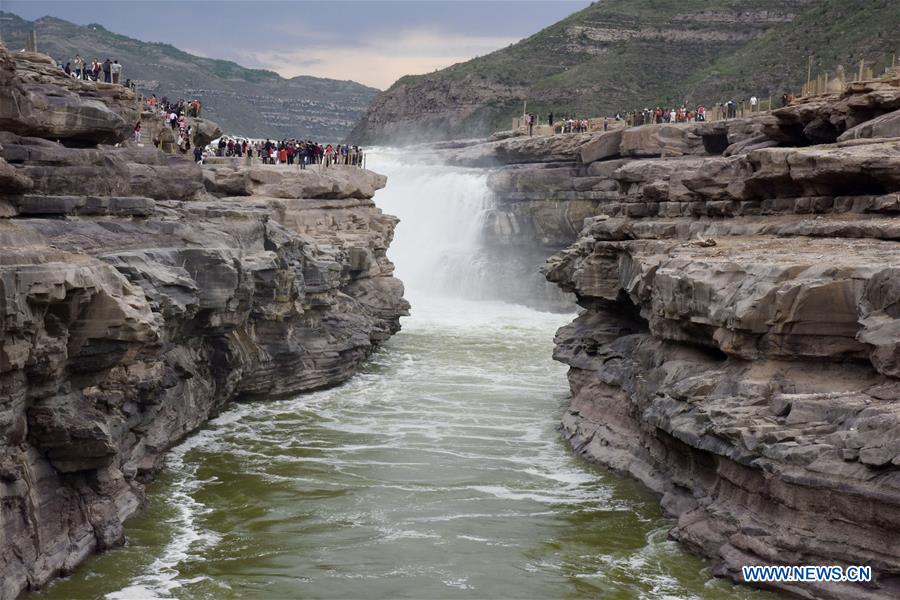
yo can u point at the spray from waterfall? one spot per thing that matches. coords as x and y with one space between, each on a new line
436 247
441 246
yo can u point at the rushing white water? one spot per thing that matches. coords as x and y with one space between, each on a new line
441 213
437 472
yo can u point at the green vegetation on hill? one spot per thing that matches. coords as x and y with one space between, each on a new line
251 102
833 32
618 55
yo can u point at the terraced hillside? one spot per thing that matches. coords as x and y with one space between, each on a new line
832 32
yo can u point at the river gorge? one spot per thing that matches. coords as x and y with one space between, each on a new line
436 472
243 380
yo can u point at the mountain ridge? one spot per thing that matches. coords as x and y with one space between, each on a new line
244 101
619 55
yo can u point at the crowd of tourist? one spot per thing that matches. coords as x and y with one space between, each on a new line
566 125
729 109
108 71
175 113
284 152
291 152
190 108
660 114
571 125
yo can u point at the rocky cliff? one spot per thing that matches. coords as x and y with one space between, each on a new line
738 348
135 303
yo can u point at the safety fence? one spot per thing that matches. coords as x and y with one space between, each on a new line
835 81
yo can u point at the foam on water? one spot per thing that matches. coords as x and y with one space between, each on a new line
162 576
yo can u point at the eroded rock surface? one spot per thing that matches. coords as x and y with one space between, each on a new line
236 177
39 99
740 346
134 305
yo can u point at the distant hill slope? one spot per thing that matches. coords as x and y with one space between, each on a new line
244 101
616 55
833 32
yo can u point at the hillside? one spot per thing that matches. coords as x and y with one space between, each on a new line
245 101
833 32
616 55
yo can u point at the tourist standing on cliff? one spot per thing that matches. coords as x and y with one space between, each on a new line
79 67
116 70
302 156
107 71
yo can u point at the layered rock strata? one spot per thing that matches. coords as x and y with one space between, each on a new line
738 348
135 304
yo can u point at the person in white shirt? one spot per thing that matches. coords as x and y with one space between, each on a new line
753 103
116 70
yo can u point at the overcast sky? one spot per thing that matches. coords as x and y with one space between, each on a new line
370 41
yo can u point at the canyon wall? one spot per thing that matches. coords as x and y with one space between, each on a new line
738 347
140 294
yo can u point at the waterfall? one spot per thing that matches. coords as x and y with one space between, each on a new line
440 247
436 247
